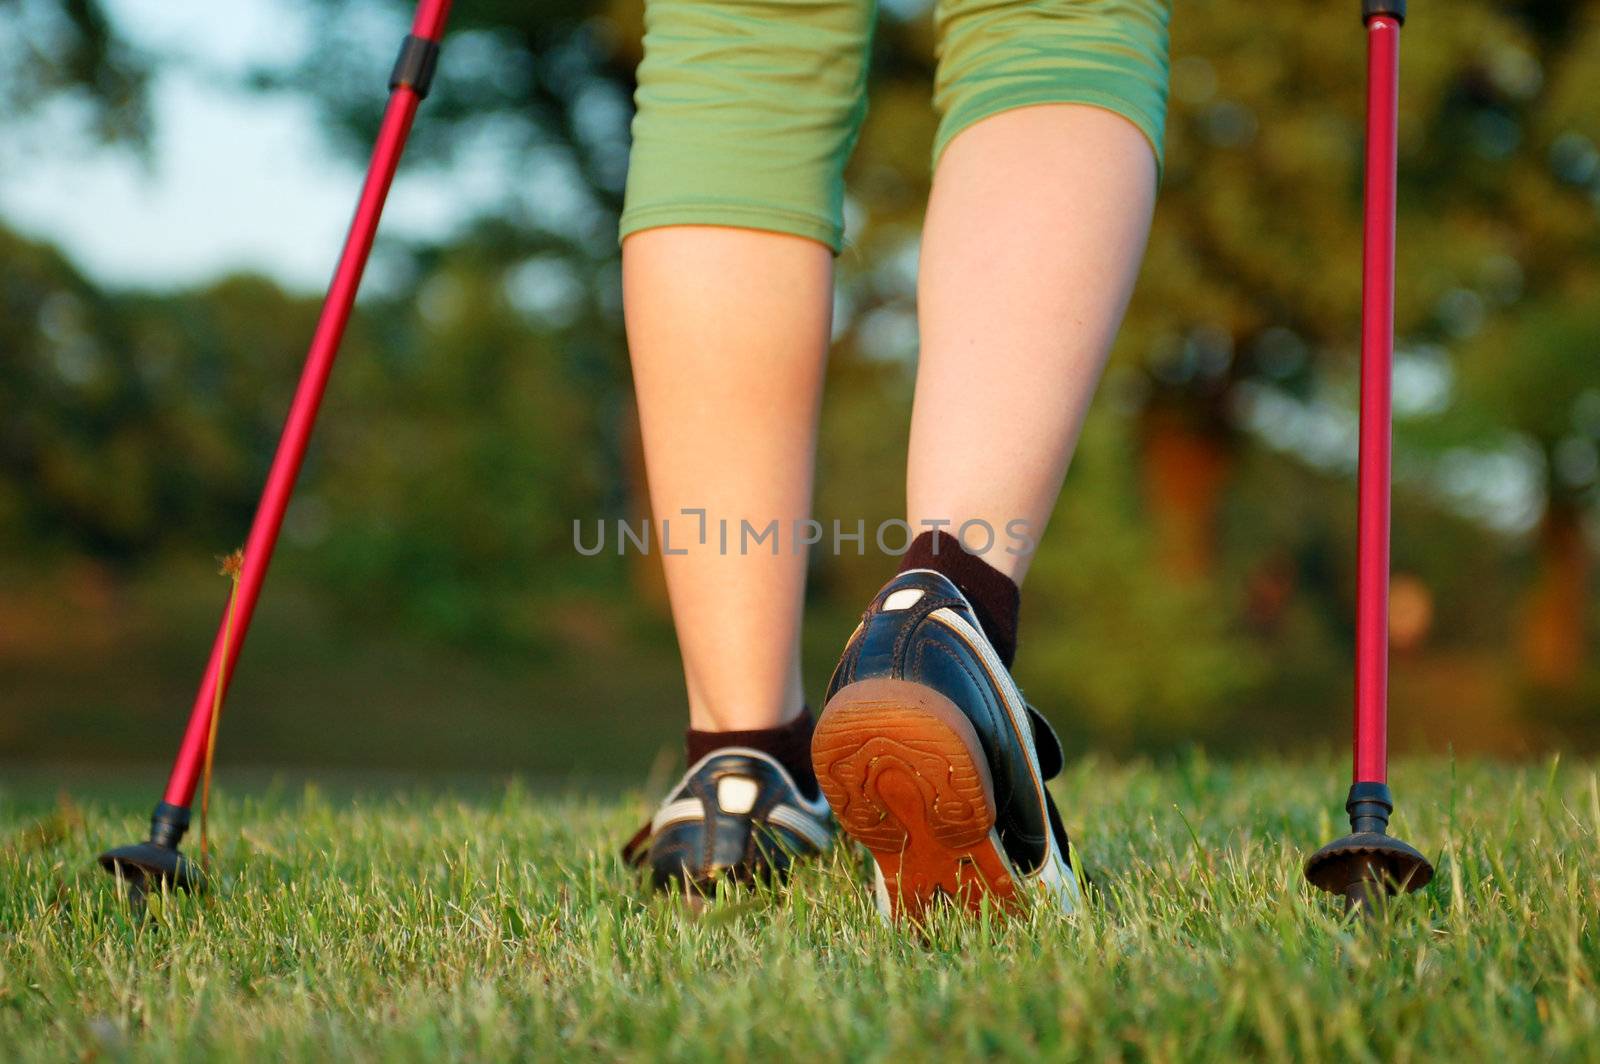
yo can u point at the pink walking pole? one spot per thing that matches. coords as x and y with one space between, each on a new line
159 859
1369 864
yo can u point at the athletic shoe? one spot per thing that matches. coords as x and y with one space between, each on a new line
931 759
736 814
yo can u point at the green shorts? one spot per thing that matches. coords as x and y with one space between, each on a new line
748 109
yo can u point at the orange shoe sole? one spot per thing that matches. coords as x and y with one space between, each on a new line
907 778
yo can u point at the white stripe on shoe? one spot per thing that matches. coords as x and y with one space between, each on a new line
676 813
804 816
792 819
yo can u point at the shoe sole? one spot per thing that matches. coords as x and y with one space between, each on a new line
907 778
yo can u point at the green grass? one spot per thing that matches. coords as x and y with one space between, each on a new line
429 926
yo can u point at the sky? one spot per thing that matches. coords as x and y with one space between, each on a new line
236 181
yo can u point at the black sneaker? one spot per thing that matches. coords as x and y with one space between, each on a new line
736 814
931 759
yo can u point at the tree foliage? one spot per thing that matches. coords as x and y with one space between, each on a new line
1197 581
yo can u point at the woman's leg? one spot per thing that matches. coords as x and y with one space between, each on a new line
1036 223
728 330
1035 228
747 111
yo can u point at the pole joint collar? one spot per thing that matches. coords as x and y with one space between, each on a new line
1395 9
415 65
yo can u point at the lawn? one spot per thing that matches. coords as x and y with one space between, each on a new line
436 925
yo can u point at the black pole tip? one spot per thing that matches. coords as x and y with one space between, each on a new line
418 59
146 866
1395 9
1368 865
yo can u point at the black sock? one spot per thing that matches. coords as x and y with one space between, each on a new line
787 744
994 595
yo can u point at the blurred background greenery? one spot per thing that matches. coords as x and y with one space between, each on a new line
427 610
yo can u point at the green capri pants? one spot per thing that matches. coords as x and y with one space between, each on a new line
748 109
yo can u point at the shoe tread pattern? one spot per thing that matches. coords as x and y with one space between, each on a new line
906 777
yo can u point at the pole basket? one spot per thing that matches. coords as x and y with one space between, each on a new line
1368 866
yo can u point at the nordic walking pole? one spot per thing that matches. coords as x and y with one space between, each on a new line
159 859
1369 864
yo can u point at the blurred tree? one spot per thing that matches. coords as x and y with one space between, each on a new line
1246 315
539 95
1198 581
456 459
131 422
53 380
1540 374
68 54
1514 172
1244 328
